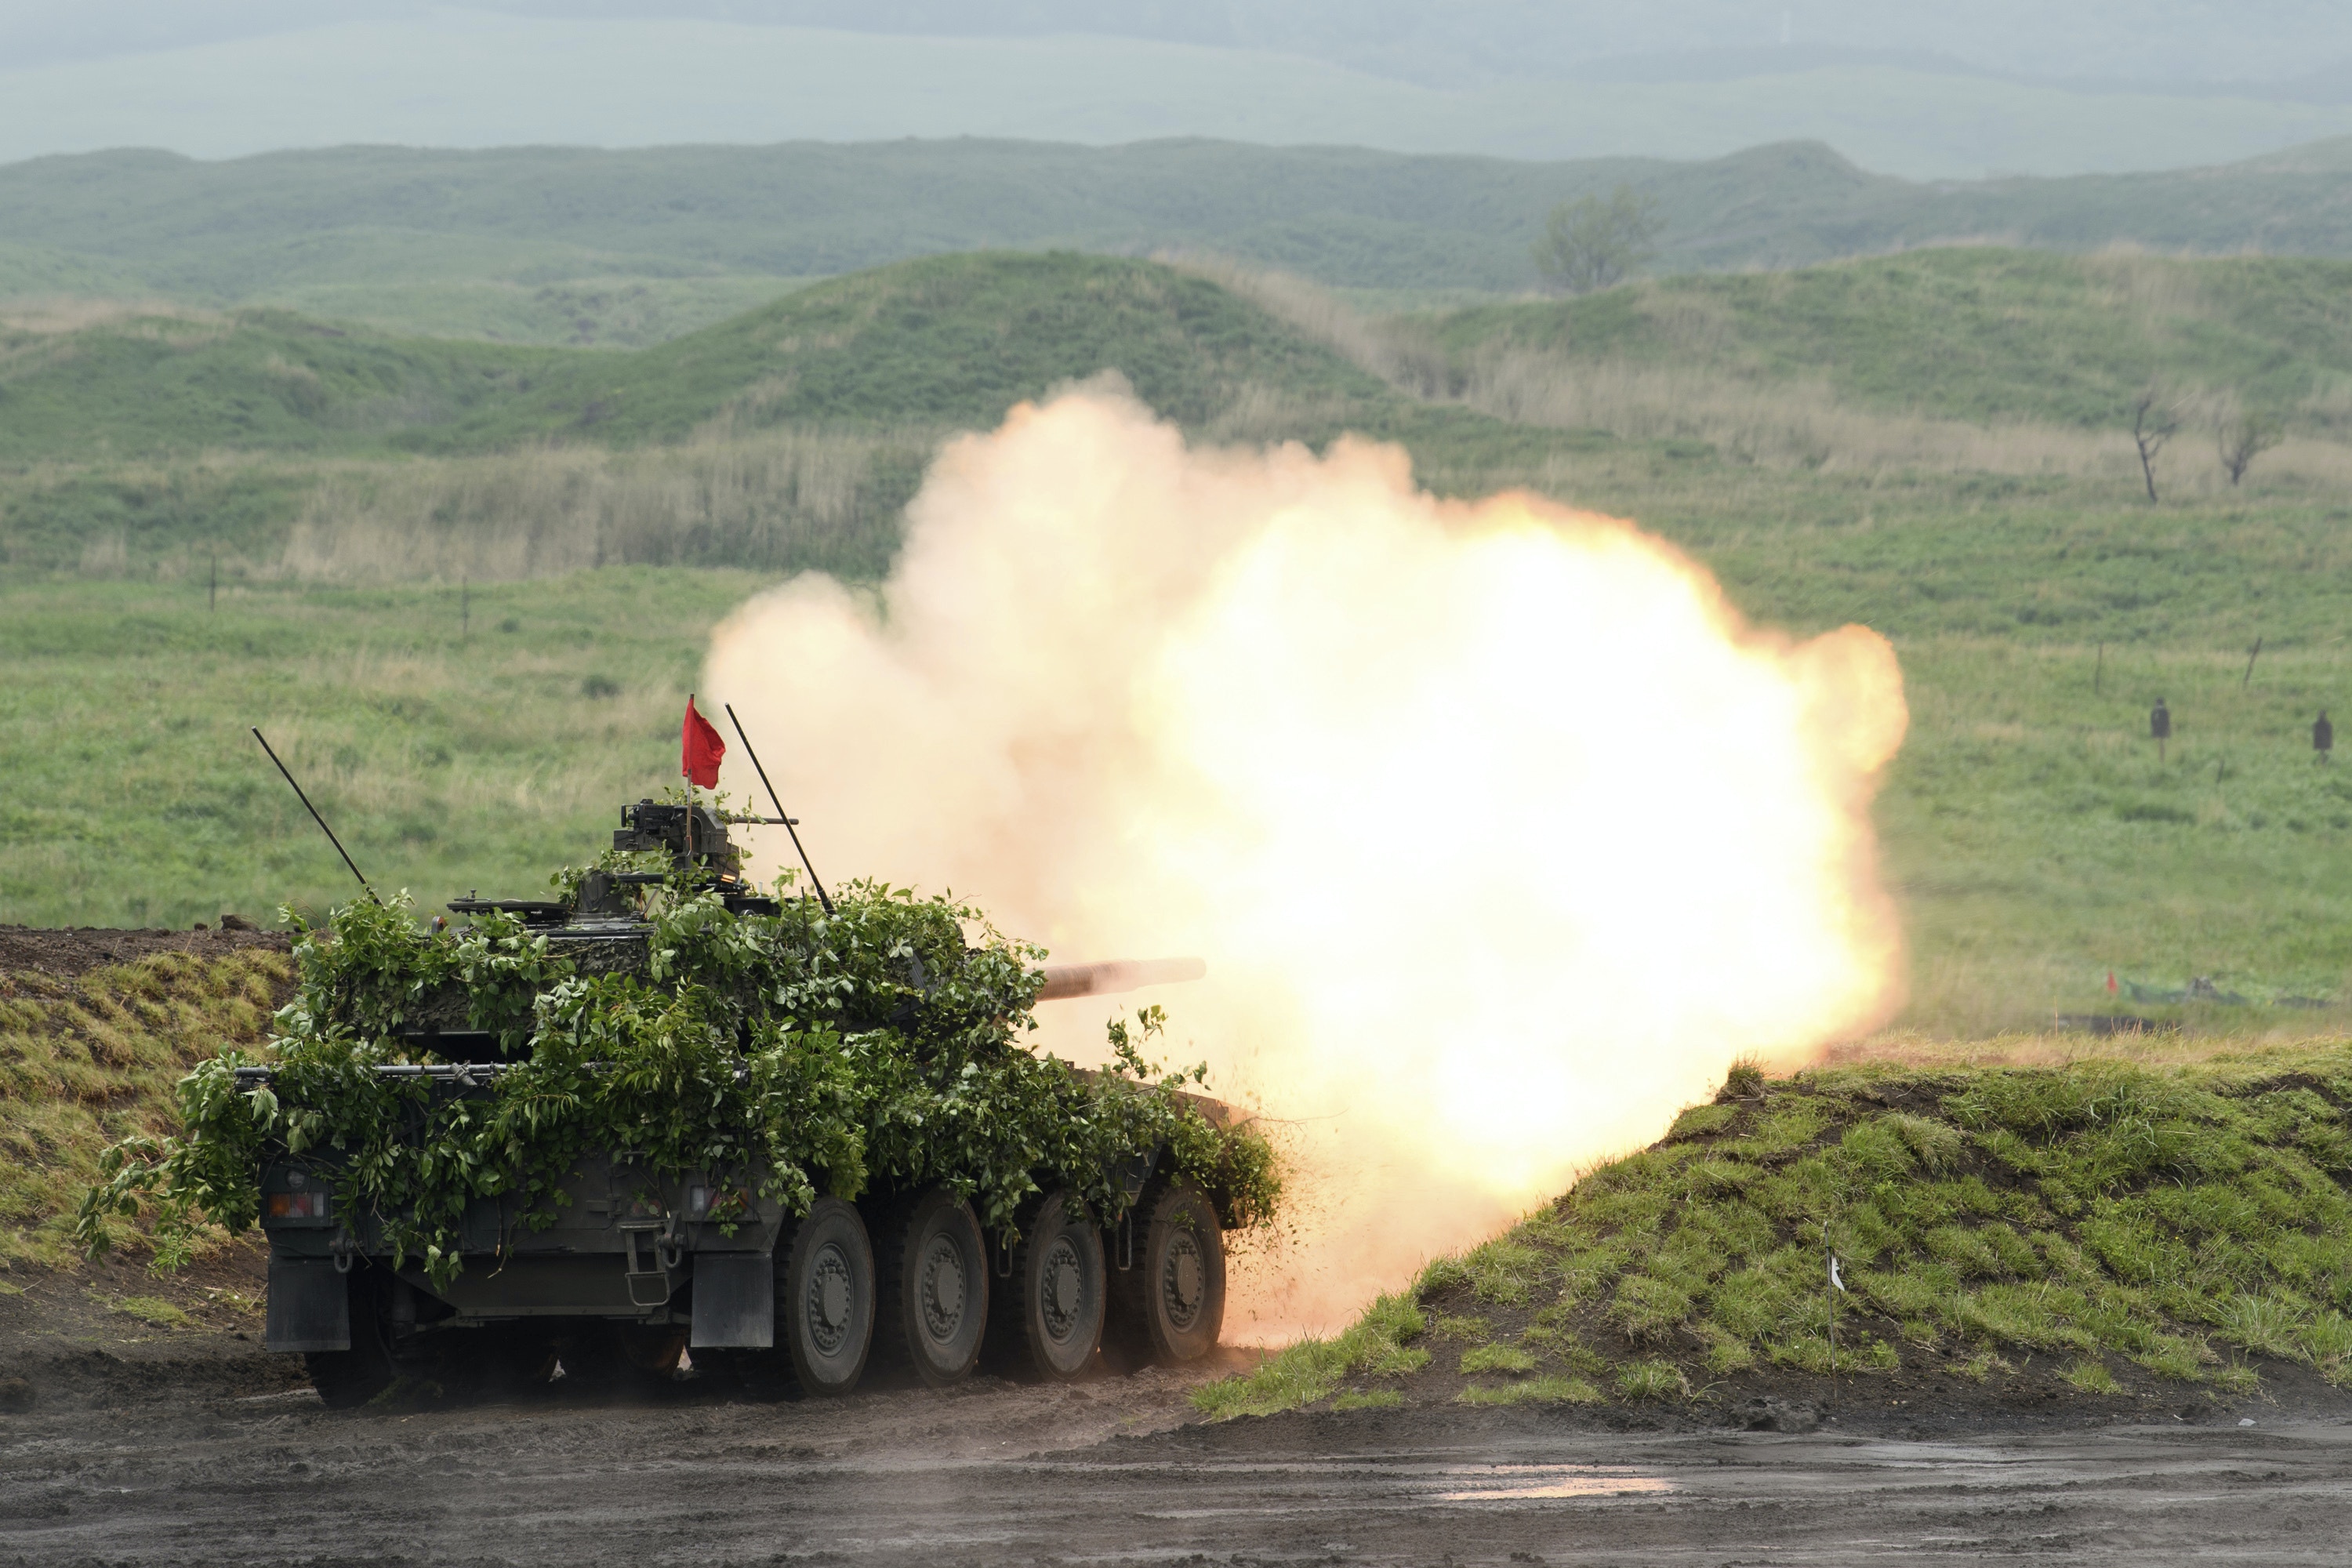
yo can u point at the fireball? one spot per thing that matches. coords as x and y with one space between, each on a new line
1503 834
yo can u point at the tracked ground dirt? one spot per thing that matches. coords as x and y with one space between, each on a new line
185 1452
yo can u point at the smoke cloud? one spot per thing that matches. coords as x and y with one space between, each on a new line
1502 834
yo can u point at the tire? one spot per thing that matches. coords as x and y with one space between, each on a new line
348 1379
1048 1316
931 1290
825 1300
1169 1307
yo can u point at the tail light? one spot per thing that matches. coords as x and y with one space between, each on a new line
716 1203
312 1205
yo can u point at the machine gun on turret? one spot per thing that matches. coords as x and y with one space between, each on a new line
701 855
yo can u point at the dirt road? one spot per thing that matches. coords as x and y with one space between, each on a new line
122 1465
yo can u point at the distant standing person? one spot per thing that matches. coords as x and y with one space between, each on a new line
2159 724
2323 735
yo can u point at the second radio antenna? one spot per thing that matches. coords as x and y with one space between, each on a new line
780 814
322 821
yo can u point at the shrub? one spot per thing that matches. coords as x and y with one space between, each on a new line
801 1052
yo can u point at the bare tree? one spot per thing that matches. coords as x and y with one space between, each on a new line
1593 242
2244 439
2153 424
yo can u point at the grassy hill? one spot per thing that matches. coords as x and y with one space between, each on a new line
2121 1231
945 342
161 439
950 341
578 246
1982 334
145 384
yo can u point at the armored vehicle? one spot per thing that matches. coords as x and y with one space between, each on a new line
623 1265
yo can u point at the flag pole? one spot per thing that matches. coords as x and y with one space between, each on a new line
685 770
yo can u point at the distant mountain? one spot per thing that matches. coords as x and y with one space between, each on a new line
2039 92
566 245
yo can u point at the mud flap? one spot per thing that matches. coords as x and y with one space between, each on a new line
734 1301
309 1306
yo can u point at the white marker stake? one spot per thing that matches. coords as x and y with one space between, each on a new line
1836 1289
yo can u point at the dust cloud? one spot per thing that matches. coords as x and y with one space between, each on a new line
1502 835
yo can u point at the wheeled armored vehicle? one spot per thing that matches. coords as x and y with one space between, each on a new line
624 1267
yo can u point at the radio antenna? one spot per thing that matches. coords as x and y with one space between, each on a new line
779 805
320 820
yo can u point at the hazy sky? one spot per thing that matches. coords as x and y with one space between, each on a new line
1959 88
1438 42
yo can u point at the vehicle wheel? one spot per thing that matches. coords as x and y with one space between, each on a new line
347 1379
1049 1314
1168 1305
825 1300
932 1288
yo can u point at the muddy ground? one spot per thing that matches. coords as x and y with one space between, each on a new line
192 1445
66 953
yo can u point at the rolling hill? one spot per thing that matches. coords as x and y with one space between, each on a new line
1976 333
936 344
148 434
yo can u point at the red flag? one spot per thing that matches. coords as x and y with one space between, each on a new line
700 750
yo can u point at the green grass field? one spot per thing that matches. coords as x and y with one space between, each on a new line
1932 444
445 757
2035 842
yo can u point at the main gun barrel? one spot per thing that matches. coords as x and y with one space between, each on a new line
1062 980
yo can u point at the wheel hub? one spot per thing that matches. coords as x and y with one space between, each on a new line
829 1298
942 1291
1183 1281
1062 1285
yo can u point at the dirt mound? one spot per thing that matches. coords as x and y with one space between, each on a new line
67 953
111 1332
